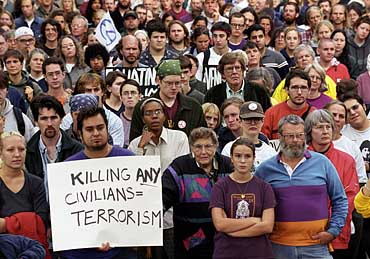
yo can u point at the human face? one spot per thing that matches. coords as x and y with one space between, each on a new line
49 122
148 4
51 33
12 43
143 39
353 16
13 152
298 91
26 43
27 8
130 96
13 65
233 74
292 40
304 59
167 21
68 48
237 26
252 126
204 151
325 8
170 86
5 19
95 5
326 51
124 4
339 43
315 18
3 45
322 134
260 5
194 68
254 57
339 115
109 5
356 114
153 116
67 5
185 76
242 159
202 43
196 5
289 14
280 42
199 24
94 133
220 39
362 31
61 21
36 62
79 27
91 40
131 23
249 19
178 3
130 49
338 14
54 76
211 119
166 5
94 89
265 23
158 41
316 80
292 140
259 38
231 117
141 14
97 64
324 32
177 34
114 89
210 7
149 15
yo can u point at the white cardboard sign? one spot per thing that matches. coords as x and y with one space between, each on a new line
116 200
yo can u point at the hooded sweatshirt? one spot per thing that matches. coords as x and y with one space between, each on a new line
359 53
26 81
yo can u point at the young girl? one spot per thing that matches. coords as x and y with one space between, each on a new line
242 209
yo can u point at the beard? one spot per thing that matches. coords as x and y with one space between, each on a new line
289 20
122 6
50 132
292 150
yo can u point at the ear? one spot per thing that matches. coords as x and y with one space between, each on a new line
157 80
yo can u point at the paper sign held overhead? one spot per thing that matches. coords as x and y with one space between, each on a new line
106 33
116 200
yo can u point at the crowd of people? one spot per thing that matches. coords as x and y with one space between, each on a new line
259 115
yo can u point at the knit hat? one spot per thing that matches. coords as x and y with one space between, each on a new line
169 67
83 101
23 31
251 110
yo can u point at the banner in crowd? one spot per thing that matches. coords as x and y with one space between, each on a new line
211 76
145 76
275 144
116 200
106 33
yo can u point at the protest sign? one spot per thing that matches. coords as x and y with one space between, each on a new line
106 33
211 76
145 76
116 200
275 144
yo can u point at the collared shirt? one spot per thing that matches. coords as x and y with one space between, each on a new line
231 93
289 169
46 160
146 59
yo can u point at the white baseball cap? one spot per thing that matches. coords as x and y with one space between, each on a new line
23 31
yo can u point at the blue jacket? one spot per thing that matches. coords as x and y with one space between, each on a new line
35 26
13 246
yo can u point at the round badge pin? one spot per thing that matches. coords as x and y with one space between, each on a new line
181 124
252 106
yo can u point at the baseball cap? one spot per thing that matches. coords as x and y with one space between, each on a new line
251 109
23 31
130 14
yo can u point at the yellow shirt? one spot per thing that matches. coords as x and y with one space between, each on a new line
362 204
280 95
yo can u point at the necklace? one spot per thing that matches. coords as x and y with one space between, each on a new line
244 192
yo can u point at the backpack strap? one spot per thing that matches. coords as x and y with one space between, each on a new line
20 121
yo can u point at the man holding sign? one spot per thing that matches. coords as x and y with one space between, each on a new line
93 128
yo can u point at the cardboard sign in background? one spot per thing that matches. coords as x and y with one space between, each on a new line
116 200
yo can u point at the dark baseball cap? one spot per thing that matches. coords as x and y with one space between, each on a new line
251 109
130 13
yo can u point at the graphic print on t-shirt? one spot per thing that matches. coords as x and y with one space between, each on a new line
243 205
365 150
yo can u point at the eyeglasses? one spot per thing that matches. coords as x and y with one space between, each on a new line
236 25
171 84
200 147
302 88
52 74
152 113
231 69
291 136
25 41
128 93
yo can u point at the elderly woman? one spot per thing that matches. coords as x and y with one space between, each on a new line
316 97
187 184
22 195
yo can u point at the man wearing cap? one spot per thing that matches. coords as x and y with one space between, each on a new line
251 116
50 144
232 67
129 49
29 18
182 112
130 22
25 40
167 143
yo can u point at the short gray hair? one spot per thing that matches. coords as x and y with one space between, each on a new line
302 47
291 119
320 70
315 118
203 133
